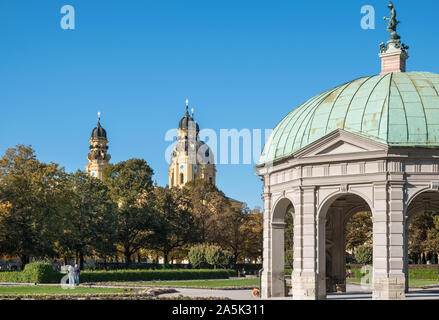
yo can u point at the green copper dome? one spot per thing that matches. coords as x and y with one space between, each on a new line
398 109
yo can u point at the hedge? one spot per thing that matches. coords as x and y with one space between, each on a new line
149 275
35 272
118 275
424 274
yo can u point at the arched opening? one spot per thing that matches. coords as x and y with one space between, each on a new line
344 226
421 239
282 217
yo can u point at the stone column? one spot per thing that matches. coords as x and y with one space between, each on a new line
305 277
266 252
406 253
388 228
277 266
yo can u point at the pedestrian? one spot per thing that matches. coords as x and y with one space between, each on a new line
77 272
71 273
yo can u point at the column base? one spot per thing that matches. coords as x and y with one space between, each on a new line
306 288
389 288
272 285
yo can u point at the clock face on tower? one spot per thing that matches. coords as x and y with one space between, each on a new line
181 166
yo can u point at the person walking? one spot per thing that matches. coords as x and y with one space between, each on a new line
71 273
77 271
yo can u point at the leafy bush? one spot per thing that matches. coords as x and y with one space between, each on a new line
34 272
41 272
120 275
217 257
149 275
12 276
197 256
363 254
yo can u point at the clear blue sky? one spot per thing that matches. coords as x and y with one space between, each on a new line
242 64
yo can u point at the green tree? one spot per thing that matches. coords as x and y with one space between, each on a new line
217 257
433 237
31 202
418 234
363 254
205 202
359 230
289 238
130 183
89 224
197 256
173 224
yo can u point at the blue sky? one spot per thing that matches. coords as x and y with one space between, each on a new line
242 64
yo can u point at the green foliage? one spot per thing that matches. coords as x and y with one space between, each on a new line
41 272
217 257
430 274
12 277
149 275
359 230
197 256
34 272
289 239
173 224
363 254
130 183
31 199
202 256
89 223
43 275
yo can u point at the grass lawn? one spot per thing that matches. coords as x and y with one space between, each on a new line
412 282
47 290
217 284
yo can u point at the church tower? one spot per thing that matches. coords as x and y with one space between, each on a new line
98 158
192 158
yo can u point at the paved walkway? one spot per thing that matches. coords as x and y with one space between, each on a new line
354 292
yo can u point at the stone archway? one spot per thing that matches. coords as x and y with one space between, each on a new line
333 216
424 201
274 258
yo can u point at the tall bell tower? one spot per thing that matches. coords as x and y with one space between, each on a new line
191 158
98 158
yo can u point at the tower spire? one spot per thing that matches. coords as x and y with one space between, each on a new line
393 54
187 105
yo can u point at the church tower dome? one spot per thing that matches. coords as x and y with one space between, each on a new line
98 158
191 158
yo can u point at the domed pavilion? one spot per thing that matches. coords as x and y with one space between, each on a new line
371 144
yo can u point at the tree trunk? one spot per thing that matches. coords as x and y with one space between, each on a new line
81 260
127 256
24 259
165 258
